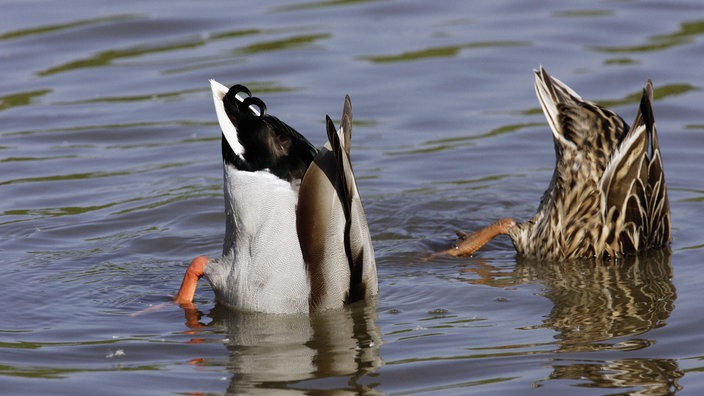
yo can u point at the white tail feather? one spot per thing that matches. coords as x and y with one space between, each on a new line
549 106
228 129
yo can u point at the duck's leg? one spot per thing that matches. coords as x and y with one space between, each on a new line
467 244
192 316
190 281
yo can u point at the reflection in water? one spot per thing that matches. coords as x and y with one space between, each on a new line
444 52
600 301
595 303
645 376
688 31
21 98
278 352
53 28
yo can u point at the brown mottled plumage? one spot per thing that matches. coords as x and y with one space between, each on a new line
607 196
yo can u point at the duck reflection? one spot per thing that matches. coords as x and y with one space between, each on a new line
649 376
595 302
273 353
601 306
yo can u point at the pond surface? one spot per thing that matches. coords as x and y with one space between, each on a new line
111 182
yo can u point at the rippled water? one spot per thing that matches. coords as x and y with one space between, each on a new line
111 182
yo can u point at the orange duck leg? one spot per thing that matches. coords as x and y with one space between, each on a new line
467 244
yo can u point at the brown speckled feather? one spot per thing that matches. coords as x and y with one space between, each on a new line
607 196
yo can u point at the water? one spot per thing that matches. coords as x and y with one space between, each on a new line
111 183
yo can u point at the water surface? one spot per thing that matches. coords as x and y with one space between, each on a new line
112 181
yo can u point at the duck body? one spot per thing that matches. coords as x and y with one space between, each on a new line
607 196
288 218
262 268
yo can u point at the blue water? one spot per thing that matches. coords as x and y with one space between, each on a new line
111 180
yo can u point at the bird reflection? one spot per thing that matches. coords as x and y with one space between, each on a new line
650 376
601 306
270 353
594 303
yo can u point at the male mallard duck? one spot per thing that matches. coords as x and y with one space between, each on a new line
296 238
607 196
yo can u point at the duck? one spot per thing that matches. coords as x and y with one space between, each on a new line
296 235
607 197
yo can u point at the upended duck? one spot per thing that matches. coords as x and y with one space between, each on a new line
607 196
296 237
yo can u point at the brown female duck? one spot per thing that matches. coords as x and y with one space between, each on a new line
607 196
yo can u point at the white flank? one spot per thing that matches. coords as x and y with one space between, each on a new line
262 268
